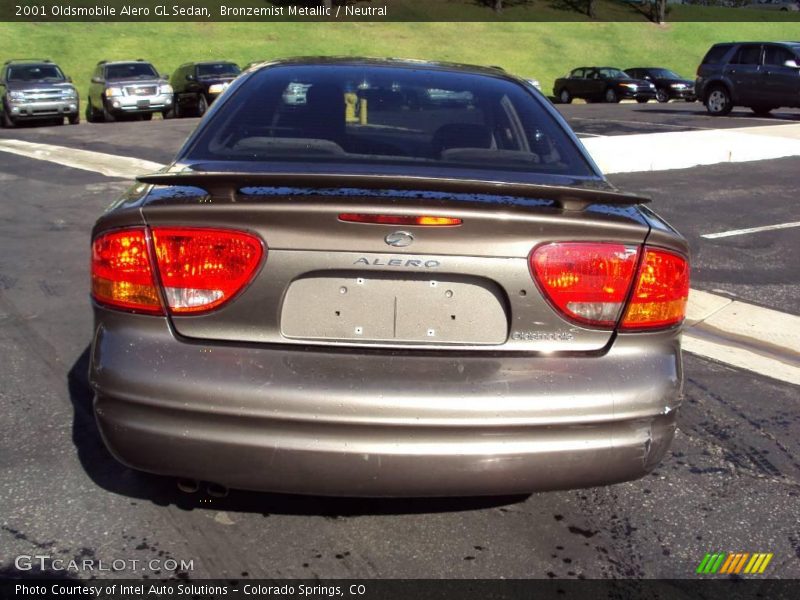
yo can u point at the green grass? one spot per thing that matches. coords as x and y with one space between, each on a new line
541 50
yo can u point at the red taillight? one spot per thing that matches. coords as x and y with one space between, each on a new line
200 269
587 282
121 274
662 289
424 220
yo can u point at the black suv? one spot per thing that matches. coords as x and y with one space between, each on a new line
669 85
36 90
198 84
760 75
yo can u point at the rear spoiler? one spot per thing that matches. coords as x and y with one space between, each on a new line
227 184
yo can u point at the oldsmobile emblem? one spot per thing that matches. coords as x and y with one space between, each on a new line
399 239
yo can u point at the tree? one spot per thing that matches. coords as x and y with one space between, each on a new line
659 11
498 5
590 9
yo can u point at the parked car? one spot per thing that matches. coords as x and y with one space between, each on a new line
125 88
36 90
669 85
602 84
418 302
780 5
198 84
535 83
760 75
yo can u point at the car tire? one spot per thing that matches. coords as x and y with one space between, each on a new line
611 96
74 119
718 101
108 117
168 114
662 96
761 111
642 100
89 113
564 97
7 121
202 105
146 116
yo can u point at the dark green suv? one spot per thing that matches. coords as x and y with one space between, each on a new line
36 90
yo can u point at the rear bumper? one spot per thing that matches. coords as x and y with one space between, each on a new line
370 424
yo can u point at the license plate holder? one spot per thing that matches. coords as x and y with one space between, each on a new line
386 309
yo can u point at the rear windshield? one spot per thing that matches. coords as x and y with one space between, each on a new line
217 70
716 54
389 116
131 71
35 73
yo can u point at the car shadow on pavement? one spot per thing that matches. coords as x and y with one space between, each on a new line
701 112
106 472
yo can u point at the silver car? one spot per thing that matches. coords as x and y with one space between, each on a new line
127 88
434 299
36 90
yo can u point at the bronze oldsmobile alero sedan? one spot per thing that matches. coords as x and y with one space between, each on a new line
400 279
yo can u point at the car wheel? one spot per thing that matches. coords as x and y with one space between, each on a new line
611 96
168 114
642 100
108 117
146 116
718 101
7 121
761 111
89 113
74 119
565 97
661 95
202 105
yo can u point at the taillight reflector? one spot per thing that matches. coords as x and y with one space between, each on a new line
661 292
423 220
121 274
200 269
588 282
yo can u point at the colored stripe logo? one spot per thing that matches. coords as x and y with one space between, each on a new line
734 563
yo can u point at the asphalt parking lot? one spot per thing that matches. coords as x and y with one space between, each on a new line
730 483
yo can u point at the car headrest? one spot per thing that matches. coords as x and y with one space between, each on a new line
460 135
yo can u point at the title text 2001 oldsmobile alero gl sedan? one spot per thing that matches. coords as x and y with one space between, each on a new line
386 278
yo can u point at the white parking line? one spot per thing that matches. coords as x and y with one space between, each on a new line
724 234
97 162
739 334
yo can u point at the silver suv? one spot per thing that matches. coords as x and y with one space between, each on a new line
36 90
127 88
